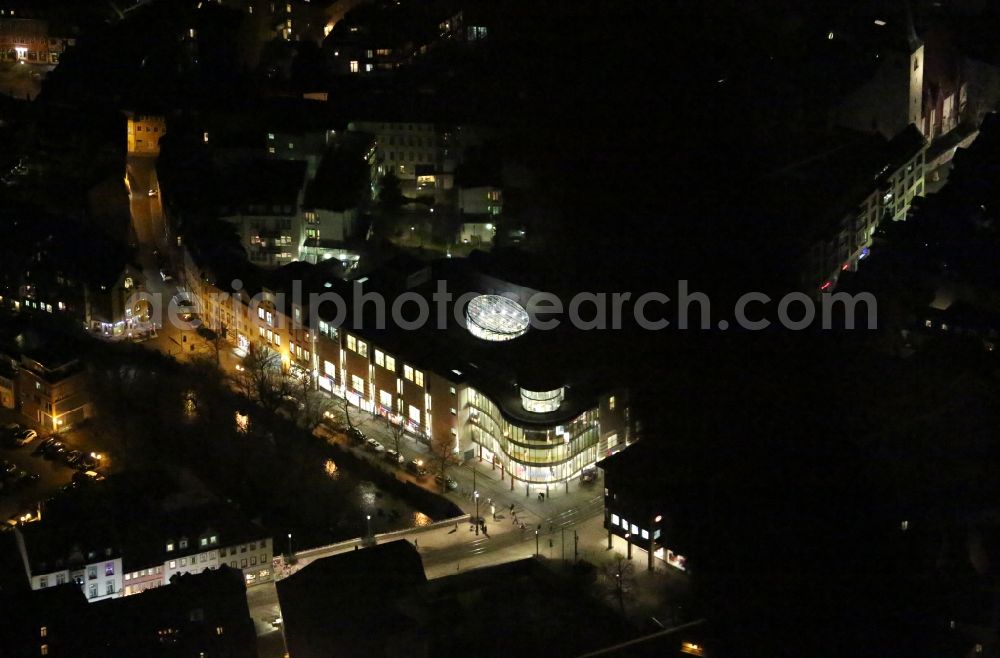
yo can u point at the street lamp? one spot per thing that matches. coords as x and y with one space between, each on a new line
368 517
291 556
536 542
477 512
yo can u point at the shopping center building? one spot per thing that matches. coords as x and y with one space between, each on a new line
536 404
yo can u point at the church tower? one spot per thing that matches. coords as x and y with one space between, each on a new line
916 67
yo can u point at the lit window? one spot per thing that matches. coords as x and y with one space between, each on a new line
611 403
414 414
408 373
362 348
352 343
357 384
44 631
380 358
45 649
390 363
354 66
418 378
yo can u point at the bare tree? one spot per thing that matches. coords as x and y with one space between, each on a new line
313 405
618 578
396 431
260 377
442 454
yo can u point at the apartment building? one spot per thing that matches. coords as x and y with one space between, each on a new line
144 133
27 41
52 389
85 553
423 152
821 211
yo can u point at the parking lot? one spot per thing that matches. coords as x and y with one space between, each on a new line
22 492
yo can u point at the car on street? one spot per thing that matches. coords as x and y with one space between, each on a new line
374 446
588 475
416 467
393 457
24 437
356 435
449 483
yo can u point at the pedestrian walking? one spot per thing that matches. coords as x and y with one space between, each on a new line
493 511
512 508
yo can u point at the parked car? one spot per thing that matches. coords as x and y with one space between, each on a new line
22 479
56 450
86 463
449 483
87 477
11 430
6 467
393 457
356 435
44 446
24 437
588 475
416 467
72 457
374 446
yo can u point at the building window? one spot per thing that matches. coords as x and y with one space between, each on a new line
43 582
354 66
109 569
173 564
611 403
358 384
614 519
414 414
380 358
390 363
109 587
362 348
45 649
43 631
352 343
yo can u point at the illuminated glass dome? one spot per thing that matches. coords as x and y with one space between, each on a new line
496 318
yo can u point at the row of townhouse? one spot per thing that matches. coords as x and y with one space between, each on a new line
109 561
486 394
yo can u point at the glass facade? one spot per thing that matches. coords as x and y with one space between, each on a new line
542 402
538 456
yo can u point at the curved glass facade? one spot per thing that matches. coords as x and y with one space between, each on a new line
541 402
537 456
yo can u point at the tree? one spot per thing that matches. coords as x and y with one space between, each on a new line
260 377
442 454
390 194
313 405
618 576
396 431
